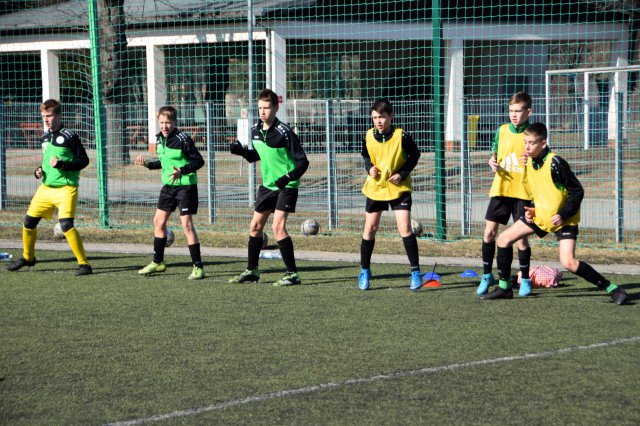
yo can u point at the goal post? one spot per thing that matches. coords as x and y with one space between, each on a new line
590 102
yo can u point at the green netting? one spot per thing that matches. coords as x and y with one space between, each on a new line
448 69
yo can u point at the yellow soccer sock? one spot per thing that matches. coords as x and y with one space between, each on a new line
75 242
29 237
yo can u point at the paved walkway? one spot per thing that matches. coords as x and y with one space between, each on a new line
427 262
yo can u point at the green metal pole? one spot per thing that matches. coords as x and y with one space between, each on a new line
99 115
438 121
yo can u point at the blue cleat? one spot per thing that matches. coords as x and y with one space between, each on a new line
416 281
486 282
363 279
525 287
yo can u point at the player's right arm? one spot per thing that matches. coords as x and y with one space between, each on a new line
493 160
368 165
151 165
251 155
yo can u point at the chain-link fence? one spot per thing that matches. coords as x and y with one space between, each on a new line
449 73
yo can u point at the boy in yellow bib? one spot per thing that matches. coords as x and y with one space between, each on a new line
508 192
389 154
63 156
557 195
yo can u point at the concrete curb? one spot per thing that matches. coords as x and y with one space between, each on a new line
426 262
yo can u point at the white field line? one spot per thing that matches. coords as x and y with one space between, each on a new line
364 380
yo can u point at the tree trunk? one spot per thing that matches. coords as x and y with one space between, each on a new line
113 62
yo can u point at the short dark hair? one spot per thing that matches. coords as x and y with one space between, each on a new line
269 95
539 130
170 112
381 106
521 98
51 104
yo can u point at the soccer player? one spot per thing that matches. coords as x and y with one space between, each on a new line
557 195
282 162
63 156
390 154
179 159
508 192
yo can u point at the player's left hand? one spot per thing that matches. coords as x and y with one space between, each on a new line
493 163
557 220
529 214
395 178
56 163
177 174
282 181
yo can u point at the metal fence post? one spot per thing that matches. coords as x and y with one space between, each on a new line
100 117
619 171
437 73
211 156
3 158
332 181
465 217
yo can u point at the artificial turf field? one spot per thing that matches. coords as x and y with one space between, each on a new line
117 348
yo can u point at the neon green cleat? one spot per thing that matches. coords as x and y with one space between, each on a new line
290 278
197 273
248 276
153 268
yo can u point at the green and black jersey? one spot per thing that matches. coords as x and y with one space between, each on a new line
177 150
280 153
65 146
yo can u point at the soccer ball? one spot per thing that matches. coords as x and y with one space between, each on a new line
310 227
416 228
171 237
57 231
265 240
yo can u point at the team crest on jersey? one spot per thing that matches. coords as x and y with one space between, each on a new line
59 140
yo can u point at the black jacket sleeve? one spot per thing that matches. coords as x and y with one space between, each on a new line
195 158
252 156
153 165
562 174
413 155
80 160
365 156
299 156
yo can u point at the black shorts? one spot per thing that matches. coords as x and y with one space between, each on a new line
403 202
500 209
569 232
185 197
269 201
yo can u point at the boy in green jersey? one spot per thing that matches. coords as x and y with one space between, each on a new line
283 162
63 156
179 160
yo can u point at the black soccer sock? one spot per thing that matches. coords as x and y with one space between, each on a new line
411 247
504 259
286 250
158 249
366 251
253 247
524 257
587 272
488 252
194 251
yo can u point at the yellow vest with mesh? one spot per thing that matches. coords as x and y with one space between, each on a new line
388 158
511 176
547 197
